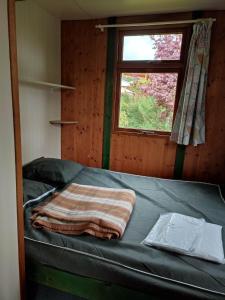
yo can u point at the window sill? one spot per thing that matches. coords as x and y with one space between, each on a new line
143 133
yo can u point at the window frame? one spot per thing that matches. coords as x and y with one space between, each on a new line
148 66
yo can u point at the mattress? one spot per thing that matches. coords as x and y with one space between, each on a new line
127 261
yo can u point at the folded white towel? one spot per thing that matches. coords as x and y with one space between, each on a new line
187 235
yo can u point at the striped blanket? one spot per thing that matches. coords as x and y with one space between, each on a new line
98 211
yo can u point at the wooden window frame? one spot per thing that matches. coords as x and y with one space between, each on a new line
151 66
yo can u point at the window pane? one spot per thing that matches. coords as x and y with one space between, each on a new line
147 100
152 47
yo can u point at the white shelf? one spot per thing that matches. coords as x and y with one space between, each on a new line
60 122
46 84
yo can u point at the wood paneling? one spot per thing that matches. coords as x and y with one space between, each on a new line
144 155
17 139
83 66
207 162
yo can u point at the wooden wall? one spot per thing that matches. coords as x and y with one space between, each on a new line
84 63
144 155
207 162
83 66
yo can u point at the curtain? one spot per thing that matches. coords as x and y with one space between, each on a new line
189 123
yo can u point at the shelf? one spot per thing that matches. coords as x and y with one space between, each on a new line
59 122
47 84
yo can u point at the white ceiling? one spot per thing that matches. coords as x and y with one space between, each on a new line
90 9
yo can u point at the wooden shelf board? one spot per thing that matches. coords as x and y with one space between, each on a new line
59 122
46 84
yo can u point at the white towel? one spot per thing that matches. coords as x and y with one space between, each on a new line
187 235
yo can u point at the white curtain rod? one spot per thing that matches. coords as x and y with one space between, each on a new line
101 27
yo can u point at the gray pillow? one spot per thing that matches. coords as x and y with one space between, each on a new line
35 191
56 172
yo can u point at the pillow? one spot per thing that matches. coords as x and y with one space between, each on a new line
187 235
54 171
34 191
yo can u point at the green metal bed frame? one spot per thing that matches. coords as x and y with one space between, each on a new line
84 287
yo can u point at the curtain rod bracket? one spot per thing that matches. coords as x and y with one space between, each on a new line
99 26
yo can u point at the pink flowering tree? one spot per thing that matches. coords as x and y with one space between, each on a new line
163 85
148 100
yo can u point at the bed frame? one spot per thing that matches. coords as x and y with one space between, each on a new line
85 287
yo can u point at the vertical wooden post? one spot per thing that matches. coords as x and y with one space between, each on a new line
179 162
111 47
17 139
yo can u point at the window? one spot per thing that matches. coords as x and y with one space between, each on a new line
150 65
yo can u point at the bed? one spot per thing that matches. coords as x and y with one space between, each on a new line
126 267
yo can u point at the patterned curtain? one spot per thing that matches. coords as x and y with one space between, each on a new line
189 123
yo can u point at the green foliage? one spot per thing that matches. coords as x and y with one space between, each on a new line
147 99
143 112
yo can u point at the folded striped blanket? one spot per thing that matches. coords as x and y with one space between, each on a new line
98 211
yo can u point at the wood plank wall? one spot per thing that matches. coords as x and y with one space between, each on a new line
83 64
144 155
207 162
